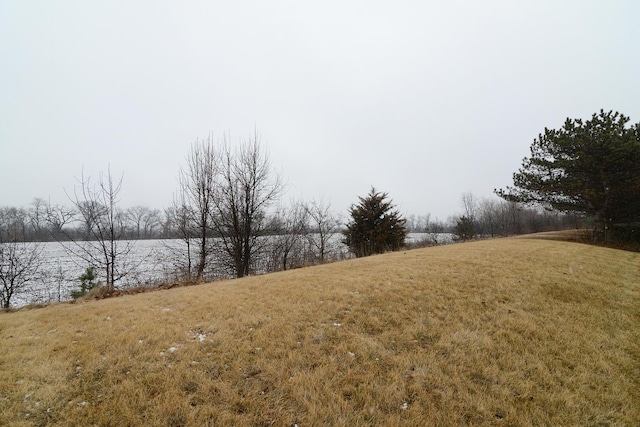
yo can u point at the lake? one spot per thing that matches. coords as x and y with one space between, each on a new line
151 262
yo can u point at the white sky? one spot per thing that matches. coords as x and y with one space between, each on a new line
424 100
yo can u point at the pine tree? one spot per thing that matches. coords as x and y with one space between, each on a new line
590 167
375 226
464 229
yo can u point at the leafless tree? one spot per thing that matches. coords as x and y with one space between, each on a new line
179 217
135 217
58 217
38 219
104 228
151 224
245 188
19 266
488 216
468 225
197 181
289 227
143 221
470 207
13 224
500 218
497 217
324 226
435 230
90 212
417 223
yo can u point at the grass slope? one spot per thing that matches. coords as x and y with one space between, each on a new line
501 332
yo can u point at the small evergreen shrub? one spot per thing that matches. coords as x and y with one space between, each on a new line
87 283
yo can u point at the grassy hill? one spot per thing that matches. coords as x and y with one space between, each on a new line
517 331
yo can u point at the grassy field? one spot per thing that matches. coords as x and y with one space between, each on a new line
517 331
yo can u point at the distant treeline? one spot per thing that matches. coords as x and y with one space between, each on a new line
493 217
43 222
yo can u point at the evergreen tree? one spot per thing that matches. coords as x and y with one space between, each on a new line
464 229
375 226
590 167
87 282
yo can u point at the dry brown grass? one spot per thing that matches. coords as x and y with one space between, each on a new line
501 332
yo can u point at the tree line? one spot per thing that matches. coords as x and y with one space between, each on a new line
42 221
489 217
228 211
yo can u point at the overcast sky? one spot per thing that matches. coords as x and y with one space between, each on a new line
424 100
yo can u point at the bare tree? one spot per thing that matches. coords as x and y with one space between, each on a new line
197 181
57 217
38 219
104 228
90 212
417 223
488 216
245 188
135 217
497 217
151 223
19 266
324 226
470 208
289 227
179 217
143 221
435 231
13 224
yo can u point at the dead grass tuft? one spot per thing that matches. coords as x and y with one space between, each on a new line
508 331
